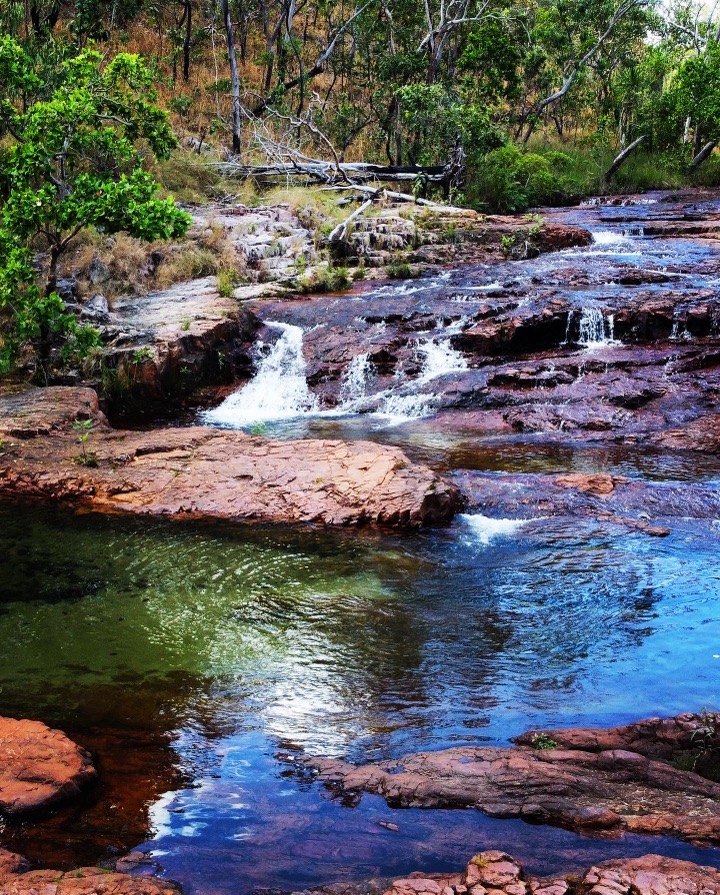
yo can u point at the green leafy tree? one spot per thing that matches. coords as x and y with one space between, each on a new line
70 161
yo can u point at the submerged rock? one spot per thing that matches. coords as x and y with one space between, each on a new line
39 767
208 473
581 779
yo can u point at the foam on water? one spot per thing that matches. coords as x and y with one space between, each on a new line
440 358
486 529
278 391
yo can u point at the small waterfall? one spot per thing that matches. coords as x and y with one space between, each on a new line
355 380
592 326
440 358
680 319
278 390
594 330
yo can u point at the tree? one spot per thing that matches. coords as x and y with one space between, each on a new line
69 162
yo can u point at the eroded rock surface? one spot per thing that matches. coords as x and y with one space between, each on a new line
583 779
496 873
84 881
200 472
39 767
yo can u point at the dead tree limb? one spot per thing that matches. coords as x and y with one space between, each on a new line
620 159
318 67
340 232
703 154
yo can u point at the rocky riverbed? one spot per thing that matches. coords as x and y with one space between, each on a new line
552 414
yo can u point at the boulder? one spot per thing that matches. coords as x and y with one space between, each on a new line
199 472
38 767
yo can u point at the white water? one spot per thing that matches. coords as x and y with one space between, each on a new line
486 529
355 380
440 358
278 391
594 329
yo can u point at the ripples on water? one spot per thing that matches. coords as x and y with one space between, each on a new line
367 646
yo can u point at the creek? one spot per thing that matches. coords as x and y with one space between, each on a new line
191 659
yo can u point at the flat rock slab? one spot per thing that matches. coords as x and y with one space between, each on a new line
38 767
85 881
199 472
496 873
587 779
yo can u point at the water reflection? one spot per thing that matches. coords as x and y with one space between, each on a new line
208 649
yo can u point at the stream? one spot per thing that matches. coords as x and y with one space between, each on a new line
192 659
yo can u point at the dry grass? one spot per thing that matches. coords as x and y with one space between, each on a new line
122 265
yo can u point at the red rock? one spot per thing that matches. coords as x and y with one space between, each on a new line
39 766
84 881
209 473
647 875
591 782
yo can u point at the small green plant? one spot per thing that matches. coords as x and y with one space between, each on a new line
185 325
451 234
3 445
543 741
140 355
400 270
507 243
226 280
84 428
300 265
258 429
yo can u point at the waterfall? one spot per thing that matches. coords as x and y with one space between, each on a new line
595 330
278 390
440 358
355 380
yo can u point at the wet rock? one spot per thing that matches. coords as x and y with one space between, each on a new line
39 767
582 779
11 863
199 472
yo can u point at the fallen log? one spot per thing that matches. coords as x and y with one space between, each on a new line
703 154
326 172
340 232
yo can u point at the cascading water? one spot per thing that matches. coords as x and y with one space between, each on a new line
278 391
355 380
440 358
594 329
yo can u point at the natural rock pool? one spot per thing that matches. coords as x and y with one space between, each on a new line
192 659
205 652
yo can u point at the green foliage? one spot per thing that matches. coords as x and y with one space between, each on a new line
68 162
543 741
84 428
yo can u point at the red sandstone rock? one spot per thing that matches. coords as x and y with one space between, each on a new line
84 881
200 472
11 863
38 766
495 873
595 779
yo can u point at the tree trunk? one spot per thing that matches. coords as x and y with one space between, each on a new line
704 153
187 40
697 145
623 156
234 76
